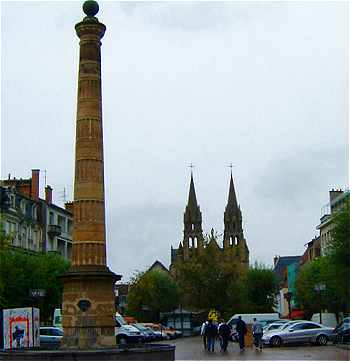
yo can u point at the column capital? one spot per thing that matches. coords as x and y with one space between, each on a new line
90 26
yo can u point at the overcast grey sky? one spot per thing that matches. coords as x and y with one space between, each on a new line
261 85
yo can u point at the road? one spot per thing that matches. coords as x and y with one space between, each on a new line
191 348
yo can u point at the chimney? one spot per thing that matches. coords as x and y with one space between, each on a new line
334 193
69 207
48 194
275 260
34 187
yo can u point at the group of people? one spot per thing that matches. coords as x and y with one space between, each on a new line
210 332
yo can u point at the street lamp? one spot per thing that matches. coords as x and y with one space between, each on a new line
319 287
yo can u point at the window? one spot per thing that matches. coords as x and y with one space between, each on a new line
297 327
309 326
12 201
51 218
23 206
70 226
35 211
56 332
62 222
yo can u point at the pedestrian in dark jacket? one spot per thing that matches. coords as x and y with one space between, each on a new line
224 333
211 332
241 329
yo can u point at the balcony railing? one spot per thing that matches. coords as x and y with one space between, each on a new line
54 230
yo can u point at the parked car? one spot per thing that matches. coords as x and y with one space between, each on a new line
148 334
124 333
274 325
50 337
159 330
342 331
299 332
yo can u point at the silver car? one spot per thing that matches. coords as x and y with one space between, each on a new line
299 332
274 326
50 337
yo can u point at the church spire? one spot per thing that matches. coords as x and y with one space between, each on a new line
232 200
193 236
192 199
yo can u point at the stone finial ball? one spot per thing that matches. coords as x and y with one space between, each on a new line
90 8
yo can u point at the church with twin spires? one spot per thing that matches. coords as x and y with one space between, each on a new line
234 246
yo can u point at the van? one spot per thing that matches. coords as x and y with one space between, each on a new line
57 318
264 318
328 319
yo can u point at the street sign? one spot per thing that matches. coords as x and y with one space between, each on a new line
36 293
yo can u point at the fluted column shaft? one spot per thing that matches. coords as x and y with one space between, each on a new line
89 241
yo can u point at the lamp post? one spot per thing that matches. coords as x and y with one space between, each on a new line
319 287
288 297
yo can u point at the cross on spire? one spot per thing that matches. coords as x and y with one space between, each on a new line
191 166
231 166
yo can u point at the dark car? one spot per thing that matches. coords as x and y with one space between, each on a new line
50 337
342 331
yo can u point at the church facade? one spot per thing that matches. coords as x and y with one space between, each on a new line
234 246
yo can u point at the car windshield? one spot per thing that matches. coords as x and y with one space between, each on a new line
288 324
275 326
141 327
121 320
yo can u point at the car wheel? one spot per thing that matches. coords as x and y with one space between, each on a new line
122 341
276 341
322 340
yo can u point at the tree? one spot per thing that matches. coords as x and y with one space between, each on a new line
150 293
320 271
332 270
207 283
338 252
21 272
261 289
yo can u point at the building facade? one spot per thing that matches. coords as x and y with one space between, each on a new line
285 269
337 201
21 220
234 248
32 223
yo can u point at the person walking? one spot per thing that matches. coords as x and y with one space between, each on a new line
211 332
224 334
257 334
241 329
204 337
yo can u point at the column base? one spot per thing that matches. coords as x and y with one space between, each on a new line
88 308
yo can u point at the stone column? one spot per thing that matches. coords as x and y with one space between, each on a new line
88 300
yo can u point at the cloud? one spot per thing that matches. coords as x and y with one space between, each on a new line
197 16
302 174
142 233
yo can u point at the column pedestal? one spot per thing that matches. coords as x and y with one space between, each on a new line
88 308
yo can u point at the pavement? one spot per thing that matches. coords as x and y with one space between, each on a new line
191 348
